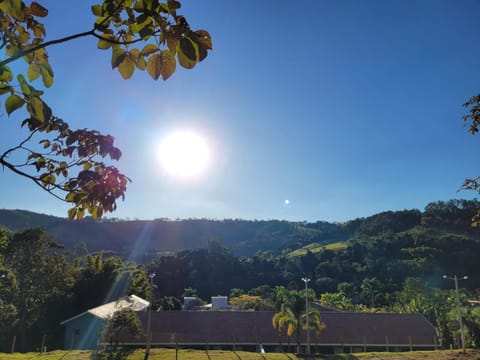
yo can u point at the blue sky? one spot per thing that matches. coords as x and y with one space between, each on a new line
345 108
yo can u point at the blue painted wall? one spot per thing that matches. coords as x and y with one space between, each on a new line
83 332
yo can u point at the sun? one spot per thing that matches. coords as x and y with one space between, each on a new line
184 154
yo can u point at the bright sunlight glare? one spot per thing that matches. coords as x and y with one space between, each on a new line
184 154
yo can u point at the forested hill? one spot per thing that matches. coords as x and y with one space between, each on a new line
140 240
133 238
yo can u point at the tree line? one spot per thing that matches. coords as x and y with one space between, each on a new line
393 261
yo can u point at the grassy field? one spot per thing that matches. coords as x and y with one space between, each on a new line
169 354
314 248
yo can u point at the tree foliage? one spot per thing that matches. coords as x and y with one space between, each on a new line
70 164
36 270
472 121
124 323
292 315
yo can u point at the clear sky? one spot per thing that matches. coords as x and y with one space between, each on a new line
344 108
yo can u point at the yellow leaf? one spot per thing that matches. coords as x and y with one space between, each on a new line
168 64
24 85
13 102
126 68
154 65
71 213
38 30
33 71
141 64
149 49
80 214
104 43
4 89
118 54
46 77
96 212
185 61
6 74
97 10
134 54
37 109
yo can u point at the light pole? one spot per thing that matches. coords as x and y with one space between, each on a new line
306 280
149 319
459 316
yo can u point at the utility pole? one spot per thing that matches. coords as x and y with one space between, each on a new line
459 315
307 310
149 320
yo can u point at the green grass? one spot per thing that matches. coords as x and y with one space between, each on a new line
188 354
315 248
156 354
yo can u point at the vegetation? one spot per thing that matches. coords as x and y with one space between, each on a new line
392 261
188 354
315 248
293 314
123 323
70 163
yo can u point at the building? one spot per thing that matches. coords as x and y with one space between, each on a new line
250 330
83 330
344 332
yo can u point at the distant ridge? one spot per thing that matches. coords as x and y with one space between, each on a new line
137 239
18 220
142 240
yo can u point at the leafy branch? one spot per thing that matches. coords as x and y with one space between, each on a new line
70 166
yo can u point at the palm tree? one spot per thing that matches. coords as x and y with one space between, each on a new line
292 316
286 318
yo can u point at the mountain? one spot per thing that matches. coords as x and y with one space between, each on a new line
140 240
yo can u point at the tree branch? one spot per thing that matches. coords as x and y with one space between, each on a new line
44 45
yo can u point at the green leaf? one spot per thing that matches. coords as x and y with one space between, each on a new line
14 102
126 67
